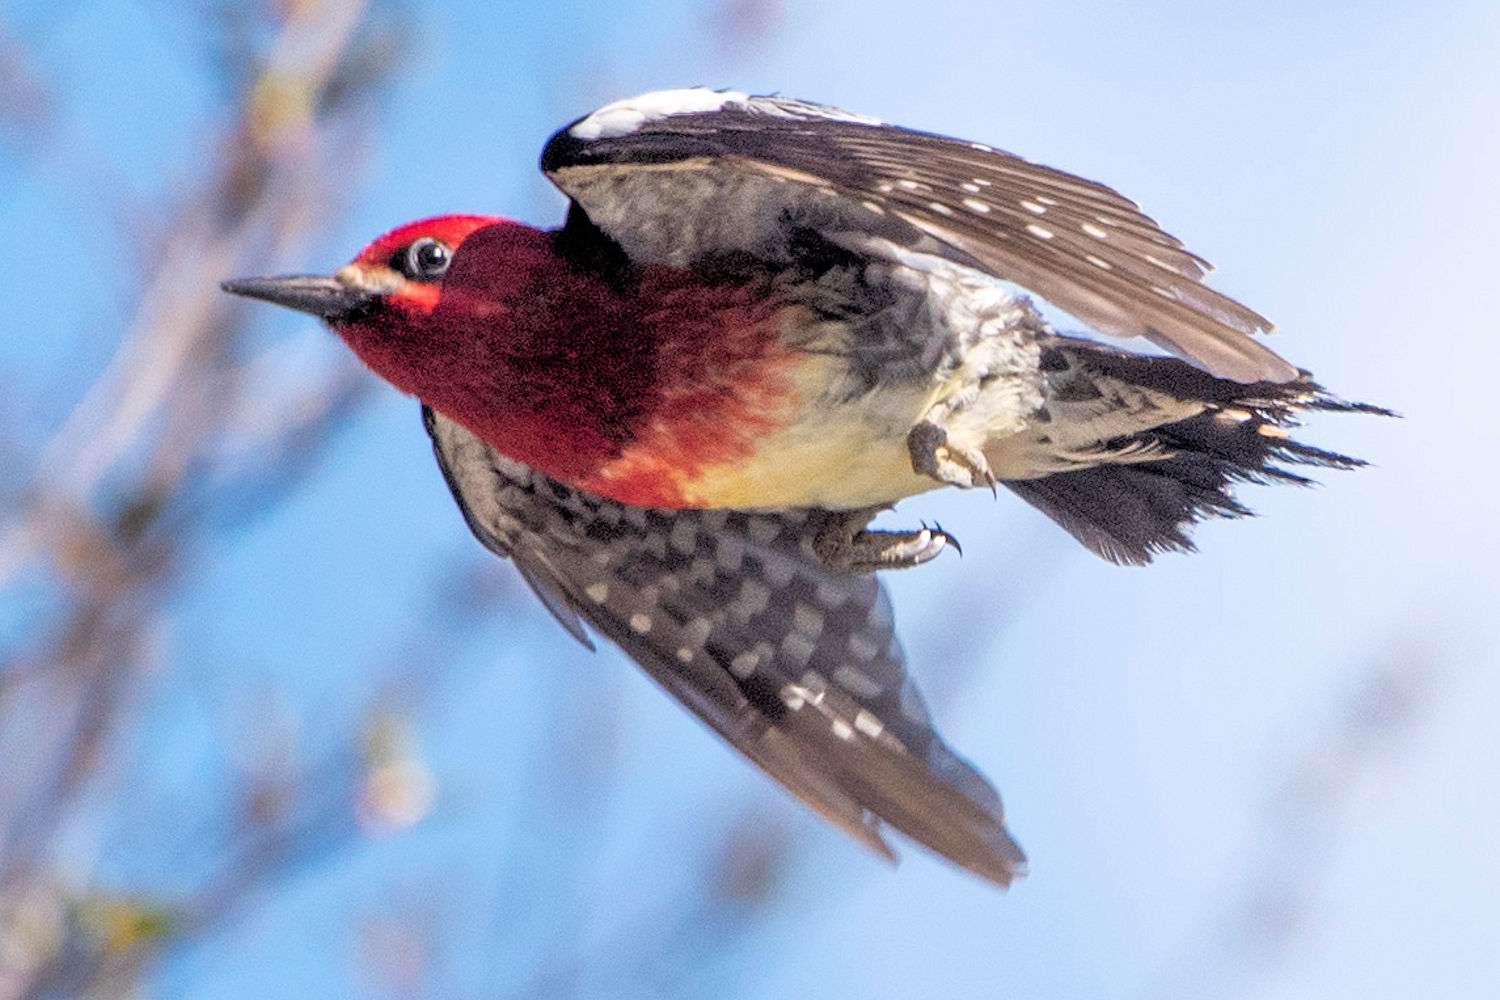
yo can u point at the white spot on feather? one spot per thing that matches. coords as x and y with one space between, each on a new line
752 600
697 631
831 592
1033 207
1094 231
743 665
778 569
1039 232
797 648
862 648
855 682
975 205
794 696
807 619
640 622
684 536
729 551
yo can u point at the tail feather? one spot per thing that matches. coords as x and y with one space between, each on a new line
1128 513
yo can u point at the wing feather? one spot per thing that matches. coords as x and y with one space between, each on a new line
678 173
795 666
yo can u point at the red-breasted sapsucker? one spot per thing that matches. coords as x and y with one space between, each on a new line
763 322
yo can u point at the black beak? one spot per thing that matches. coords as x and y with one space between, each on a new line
327 298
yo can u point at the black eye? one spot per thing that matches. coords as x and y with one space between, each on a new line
425 260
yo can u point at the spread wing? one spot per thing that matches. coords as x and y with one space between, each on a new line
678 175
797 667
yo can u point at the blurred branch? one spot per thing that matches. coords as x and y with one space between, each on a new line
177 438
188 431
26 105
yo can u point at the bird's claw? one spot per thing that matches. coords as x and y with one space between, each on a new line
845 544
937 529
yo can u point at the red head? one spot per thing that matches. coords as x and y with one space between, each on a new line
624 385
429 282
482 319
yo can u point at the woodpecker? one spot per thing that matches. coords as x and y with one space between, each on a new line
763 322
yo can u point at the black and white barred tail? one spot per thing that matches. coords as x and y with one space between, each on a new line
1151 483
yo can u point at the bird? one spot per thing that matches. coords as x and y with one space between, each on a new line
762 324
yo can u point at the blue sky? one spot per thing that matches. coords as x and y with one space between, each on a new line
1337 161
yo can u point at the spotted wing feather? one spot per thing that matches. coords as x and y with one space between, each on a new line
679 174
797 667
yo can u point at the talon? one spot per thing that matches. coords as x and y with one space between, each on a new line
951 540
843 543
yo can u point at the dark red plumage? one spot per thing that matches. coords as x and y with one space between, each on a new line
721 381
627 388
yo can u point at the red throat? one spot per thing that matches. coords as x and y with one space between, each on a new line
626 391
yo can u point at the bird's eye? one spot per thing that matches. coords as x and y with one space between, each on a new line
426 259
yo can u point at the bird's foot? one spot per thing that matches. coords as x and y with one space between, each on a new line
845 544
932 454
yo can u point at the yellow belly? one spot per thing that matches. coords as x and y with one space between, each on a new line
821 445
832 452
839 466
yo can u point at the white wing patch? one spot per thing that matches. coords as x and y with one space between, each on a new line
626 116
